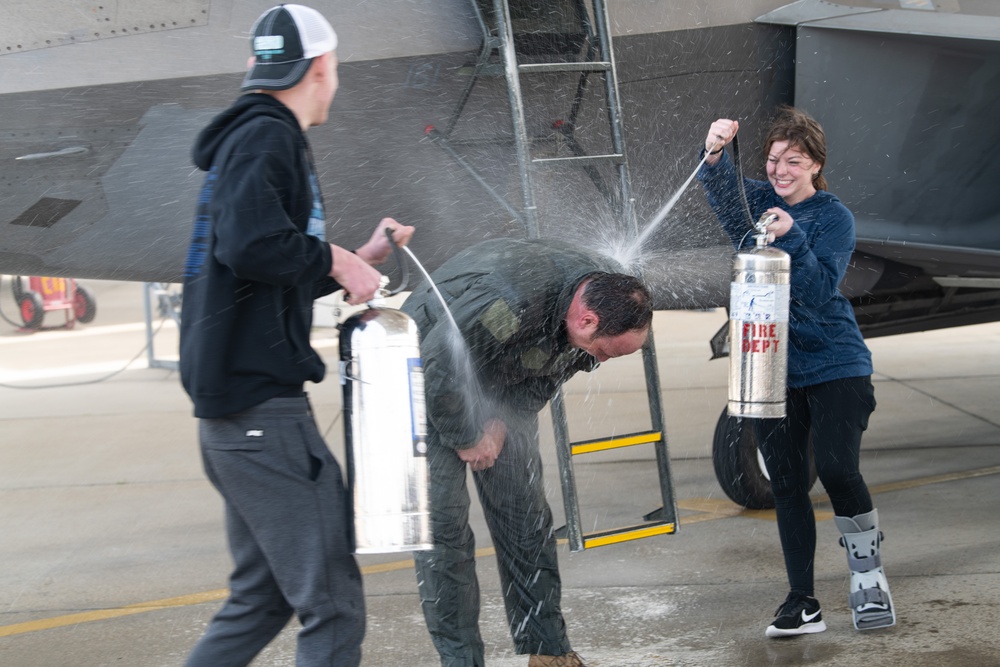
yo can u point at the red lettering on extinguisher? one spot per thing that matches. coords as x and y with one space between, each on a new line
760 338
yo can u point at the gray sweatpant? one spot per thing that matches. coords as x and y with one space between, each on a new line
287 524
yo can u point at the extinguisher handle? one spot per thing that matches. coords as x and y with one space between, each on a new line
763 237
400 261
764 221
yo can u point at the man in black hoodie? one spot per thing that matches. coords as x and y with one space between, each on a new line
257 261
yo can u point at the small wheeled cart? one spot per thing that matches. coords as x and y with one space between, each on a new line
37 295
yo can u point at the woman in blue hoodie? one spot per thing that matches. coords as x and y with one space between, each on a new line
830 395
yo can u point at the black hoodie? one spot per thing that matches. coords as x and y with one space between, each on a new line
252 271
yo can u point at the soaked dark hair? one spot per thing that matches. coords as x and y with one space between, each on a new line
801 131
621 302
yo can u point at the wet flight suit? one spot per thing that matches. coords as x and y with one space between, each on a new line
509 299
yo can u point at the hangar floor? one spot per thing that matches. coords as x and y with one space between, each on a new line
113 550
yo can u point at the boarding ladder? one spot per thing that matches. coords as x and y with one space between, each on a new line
594 38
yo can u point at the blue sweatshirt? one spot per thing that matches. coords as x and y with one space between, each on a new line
253 270
824 340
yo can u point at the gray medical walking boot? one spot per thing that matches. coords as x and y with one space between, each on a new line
871 604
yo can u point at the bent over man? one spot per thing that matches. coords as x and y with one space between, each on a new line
531 314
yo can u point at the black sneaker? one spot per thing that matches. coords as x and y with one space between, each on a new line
798 615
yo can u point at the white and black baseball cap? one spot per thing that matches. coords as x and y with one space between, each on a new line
284 40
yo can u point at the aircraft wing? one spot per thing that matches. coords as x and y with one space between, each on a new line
96 179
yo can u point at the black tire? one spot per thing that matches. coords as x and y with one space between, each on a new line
84 305
17 288
32 309
738 467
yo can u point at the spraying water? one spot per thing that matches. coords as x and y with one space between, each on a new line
631 251
463 362
437 293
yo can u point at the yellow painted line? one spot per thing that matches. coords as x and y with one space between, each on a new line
723 508
103 614
712 509
935 479
718 508
393 566
708 509
615 443
180 601
396 565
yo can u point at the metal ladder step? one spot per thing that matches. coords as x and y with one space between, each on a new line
662 521
585 66
581 160
625 533
628 533
497 69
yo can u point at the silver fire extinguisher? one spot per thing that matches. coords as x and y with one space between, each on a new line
758 328
385 429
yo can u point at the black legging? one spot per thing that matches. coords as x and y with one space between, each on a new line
834 414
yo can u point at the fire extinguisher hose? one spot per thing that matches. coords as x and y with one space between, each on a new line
739 180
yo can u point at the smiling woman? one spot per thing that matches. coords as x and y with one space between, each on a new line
792 172
829 394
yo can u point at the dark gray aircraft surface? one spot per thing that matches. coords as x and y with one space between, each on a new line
100 103
99 106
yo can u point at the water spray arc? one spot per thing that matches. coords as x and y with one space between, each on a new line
631 253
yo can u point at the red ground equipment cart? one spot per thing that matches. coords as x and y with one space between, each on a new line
43 294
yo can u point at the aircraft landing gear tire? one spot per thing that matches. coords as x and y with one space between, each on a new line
739 467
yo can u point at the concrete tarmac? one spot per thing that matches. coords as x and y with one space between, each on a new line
113 552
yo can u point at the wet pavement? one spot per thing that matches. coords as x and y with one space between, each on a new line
113 550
